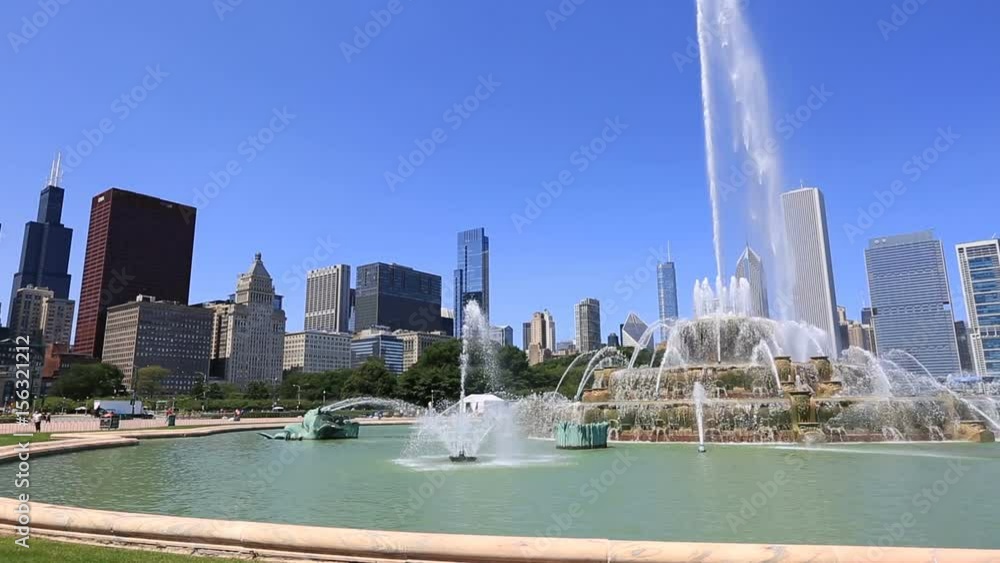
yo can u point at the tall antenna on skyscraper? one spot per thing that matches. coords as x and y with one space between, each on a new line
55 173
669 258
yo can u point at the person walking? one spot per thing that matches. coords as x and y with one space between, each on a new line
37 419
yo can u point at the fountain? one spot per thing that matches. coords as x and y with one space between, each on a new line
462 428
322 424
699 402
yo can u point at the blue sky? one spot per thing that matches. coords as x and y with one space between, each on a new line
317 193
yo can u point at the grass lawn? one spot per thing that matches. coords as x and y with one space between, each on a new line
11 440
44 551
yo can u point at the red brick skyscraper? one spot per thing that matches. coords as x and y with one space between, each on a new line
136 245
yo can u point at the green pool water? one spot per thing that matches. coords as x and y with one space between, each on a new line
900 494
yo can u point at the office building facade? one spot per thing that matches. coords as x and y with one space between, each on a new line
248 332
542 337
377 343
587 315
37 312
46 245
328 299
313 351
979 266
632 331
472 276
502 335
751 268
416 343
136 245
147 332
814 297
911 301
398 298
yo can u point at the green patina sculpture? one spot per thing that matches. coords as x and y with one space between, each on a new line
318 425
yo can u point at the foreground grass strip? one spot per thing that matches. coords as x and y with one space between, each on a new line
11 440
45 551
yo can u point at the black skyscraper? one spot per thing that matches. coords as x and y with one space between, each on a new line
45 251
397 297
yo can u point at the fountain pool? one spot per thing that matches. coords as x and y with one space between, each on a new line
734 493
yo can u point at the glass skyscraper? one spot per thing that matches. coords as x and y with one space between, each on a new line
979 265
472 277
911 301
751 268
666 292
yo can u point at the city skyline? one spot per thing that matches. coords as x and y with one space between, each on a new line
425 206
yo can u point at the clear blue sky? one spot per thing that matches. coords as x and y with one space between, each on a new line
323 176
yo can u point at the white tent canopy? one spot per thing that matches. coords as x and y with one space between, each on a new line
480 402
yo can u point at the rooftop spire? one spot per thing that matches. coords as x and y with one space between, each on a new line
669 259
55 173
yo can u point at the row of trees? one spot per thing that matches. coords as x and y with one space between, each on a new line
435 376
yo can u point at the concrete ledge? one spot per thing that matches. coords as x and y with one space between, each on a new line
37 449
288 542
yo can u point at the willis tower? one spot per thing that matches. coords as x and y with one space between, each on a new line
45 253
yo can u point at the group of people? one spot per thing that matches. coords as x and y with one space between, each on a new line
40 417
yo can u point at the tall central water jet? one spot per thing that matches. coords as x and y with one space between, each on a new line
734 93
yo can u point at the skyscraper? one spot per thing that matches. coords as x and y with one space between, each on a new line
814 296
45 249
588 325
136 245
526 335
36 310
397 297
979 266
751 268
666 291
911 300
472 277
328 299
502 335
543 337
964 348
248 334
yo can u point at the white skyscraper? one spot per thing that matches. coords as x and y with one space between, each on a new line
751 268
814 297
979 266
328 299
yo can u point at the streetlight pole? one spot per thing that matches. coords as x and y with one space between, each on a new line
298 397
324 397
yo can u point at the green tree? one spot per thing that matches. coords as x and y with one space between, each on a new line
215 391
198 389
149 381
88 380
436 374
258 390
370 379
